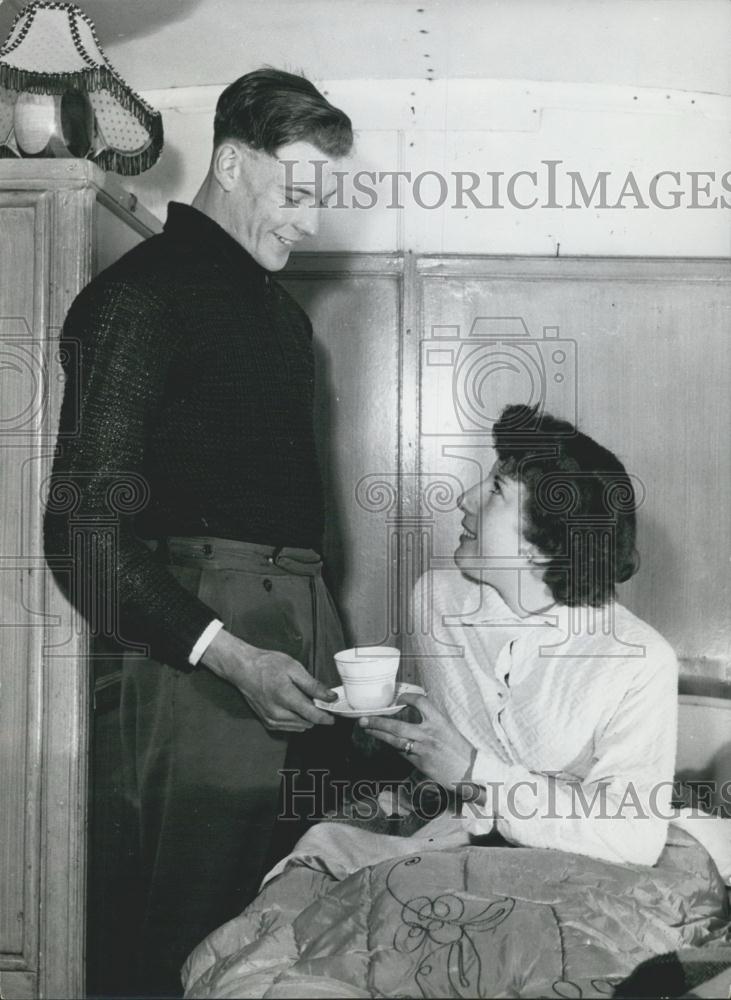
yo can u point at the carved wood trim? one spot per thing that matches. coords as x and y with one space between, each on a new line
325 265
22 446
18 985
65 724
624 269
74 175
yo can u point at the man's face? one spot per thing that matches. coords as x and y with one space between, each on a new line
275 201
492 528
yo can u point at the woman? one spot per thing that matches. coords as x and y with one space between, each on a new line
557 725
551 721
564 705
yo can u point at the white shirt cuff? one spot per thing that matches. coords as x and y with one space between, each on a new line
209 632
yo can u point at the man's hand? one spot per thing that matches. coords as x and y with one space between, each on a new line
278 688
434 745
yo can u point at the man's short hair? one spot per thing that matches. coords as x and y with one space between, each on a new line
269 108
579 504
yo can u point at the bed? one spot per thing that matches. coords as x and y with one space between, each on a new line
481 921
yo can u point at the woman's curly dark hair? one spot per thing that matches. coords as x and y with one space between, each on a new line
579 506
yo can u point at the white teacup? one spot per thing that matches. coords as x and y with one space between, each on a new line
368 674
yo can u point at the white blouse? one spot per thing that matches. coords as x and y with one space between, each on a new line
573 714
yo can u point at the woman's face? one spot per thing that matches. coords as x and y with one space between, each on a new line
492 537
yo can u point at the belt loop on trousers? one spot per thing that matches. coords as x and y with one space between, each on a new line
275 554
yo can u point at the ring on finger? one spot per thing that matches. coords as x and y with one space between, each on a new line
408 746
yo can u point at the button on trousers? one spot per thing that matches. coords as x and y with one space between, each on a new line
202 772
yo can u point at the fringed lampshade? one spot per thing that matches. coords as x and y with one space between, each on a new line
60 95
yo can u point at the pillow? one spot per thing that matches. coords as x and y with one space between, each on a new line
713 832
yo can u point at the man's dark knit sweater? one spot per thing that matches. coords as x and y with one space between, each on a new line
195 388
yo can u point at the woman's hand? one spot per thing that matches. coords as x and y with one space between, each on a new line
434 745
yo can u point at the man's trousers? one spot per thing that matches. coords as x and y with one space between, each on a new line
202 772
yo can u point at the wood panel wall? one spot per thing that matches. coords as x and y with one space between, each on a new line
355 304
643 355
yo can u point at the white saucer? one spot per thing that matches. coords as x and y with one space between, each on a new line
341 706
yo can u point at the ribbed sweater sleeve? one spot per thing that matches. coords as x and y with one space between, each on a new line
124 338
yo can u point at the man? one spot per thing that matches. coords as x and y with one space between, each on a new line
196 445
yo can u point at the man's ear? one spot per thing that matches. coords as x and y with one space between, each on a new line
227 164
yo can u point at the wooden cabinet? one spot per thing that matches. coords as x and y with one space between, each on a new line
60 222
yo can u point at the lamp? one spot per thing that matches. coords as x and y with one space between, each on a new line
60 95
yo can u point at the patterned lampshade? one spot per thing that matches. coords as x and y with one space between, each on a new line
52 49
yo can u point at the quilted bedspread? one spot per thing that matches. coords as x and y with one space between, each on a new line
463 922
